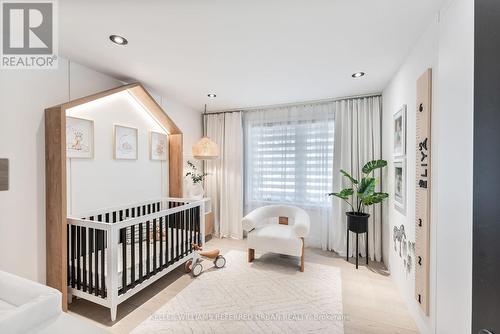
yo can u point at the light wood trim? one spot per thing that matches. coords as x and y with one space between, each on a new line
251 255
96 96
283 220
302 257
175 163
423 194
156 111
55 179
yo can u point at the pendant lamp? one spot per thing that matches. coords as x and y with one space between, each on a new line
205 148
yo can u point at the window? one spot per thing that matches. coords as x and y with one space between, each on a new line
289 161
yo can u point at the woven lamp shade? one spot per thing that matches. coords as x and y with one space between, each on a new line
205 149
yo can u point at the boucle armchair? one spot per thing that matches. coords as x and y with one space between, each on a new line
278 237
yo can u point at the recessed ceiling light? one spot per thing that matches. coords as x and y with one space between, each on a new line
358 74
118 40
212 95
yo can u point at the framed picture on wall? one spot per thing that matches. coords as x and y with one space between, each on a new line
158 146
79 138
399 126
400 185
126 142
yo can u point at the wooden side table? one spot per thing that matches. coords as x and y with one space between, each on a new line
357 227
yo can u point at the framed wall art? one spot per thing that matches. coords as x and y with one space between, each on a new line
400 185
79 138
158 146
126 142
399 126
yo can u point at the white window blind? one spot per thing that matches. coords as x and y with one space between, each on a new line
289 159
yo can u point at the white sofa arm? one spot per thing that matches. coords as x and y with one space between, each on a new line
254 219
29 304
302 224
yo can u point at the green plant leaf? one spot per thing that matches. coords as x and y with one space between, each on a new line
367 187
344 194
374 198
353 180
372 165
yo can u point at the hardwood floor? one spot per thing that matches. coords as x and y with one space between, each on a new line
372 303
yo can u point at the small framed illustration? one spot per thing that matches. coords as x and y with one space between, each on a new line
400 185
126 142
158 146
399 125
79 138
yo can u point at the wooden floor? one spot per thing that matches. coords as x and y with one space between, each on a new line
372 303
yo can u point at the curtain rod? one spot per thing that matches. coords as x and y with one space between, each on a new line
291 104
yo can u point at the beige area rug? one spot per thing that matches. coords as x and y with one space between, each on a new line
269 295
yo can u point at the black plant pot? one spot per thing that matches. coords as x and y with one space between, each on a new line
357 222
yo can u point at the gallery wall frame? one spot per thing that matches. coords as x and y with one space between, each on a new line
125 142
157 146
400 185
79 138
399 127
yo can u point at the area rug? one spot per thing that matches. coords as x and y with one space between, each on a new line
269 295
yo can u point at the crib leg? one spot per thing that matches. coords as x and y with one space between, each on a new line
113 313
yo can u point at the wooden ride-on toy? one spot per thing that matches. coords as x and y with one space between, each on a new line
194 266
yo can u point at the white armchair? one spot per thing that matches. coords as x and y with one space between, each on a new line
279 237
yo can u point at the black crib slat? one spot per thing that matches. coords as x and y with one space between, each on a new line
166 240
91 251
132 255
154 247
68 258
186 232
171 222
197 225
84 257
123 233
190 213
141 258
96 263
103 264
78 253
148 250
161 242
73 255
181 237
177 219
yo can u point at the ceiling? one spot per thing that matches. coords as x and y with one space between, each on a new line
249 53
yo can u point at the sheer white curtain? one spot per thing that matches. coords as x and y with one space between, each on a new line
224 184
289 160
357 141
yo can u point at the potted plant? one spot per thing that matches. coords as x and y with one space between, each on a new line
196 189
362 193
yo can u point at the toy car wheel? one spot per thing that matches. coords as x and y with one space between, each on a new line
197 269
220 261
187 266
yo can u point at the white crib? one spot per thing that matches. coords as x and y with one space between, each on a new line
116 252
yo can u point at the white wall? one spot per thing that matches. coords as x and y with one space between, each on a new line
190 123
104 182
402 90
24 94
454 167
446 47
